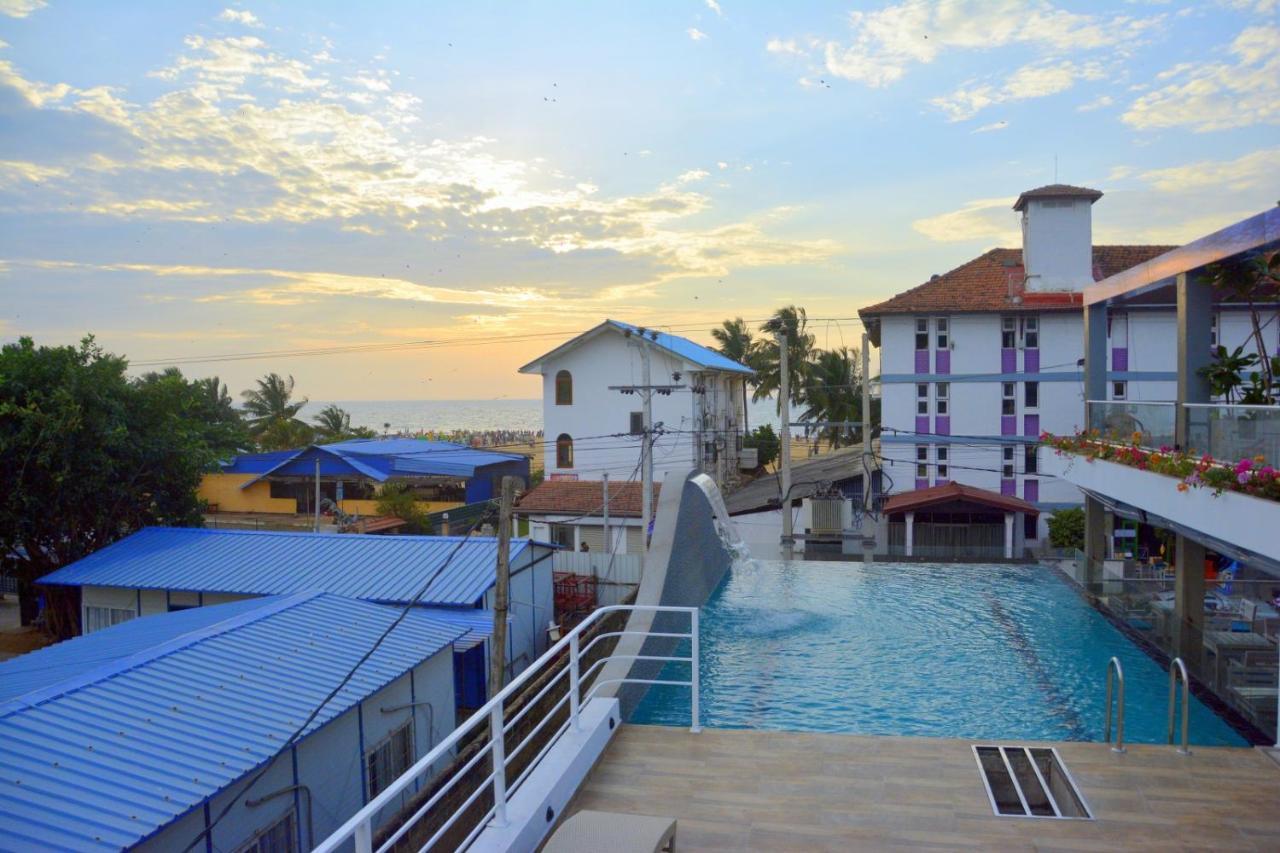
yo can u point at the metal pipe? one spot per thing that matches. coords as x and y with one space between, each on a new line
431 717
696 724
498 753
1113 667
1176 669
311 836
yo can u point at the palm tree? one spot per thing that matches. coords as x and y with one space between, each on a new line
792 321
333 423
216 396
833 393
272 403
735 340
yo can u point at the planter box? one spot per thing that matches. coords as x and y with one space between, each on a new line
1243 520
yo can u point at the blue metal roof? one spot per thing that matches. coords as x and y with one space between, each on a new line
687 349
268 562
375 458
109 755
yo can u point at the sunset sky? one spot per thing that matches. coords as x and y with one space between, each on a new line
186 179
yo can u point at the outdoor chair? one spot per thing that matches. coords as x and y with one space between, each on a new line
590 832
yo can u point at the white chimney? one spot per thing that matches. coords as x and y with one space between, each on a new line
1057 237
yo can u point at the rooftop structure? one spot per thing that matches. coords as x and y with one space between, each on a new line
582 497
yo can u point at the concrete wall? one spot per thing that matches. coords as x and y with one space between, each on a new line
224 490
540 529
1057 244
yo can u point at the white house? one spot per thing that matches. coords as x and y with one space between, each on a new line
592 412
977 362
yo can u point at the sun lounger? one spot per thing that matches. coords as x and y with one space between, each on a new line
589 832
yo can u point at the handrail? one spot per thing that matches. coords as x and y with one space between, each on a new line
1137 402
1113 667
1176 668
359 827
1229 406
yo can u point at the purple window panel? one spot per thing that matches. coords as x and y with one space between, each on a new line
942 425
1031 361
1009 487
1031 490
922 483
922 361
1008 361
1008 425
922 424
1031 425
942 361
941 482
1119 358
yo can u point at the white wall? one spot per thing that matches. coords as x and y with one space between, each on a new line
1057 244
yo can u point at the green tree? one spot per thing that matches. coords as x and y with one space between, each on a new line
89 457
832 393
1066 528
1255 282
271 404
285 435
396 499
792 321
333 423
206 403
735 341
766 443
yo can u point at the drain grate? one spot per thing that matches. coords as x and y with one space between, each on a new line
1030 781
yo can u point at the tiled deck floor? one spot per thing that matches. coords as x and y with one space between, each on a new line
753 790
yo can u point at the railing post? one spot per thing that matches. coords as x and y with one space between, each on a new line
696 722
574 674
364 837
498 752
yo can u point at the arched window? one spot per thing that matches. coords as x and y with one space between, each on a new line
564 451
564 388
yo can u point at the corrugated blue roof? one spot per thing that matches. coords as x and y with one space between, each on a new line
256 463
108 756
378 459
687 349
268 562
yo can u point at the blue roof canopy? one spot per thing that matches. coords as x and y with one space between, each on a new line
142 722
269 562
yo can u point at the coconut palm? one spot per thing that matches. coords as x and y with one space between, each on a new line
832 393
216 396
735 340
333 423
793 322
272 403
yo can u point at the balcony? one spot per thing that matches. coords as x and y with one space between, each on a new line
1228 433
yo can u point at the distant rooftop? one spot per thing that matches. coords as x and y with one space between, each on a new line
584 497
377 459
263 562
1056 191
136 725
694 353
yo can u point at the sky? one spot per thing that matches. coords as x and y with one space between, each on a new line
194 180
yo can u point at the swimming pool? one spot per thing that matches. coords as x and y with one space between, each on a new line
965 651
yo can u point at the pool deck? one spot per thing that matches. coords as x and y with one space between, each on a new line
758 790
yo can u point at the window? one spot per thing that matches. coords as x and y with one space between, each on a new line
922 398
1031 333
943 453
564 388
388 761
1006 469
280 837
1029 462
97 618
1031 395
1119 390
1030 527
562 535
944 336
1213 331
564 451
922 462
942 392
1008 332
1008 403
637 423
922 333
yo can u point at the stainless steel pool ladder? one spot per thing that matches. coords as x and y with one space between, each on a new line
1114 669
1179 669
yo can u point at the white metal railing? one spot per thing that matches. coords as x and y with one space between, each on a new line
360 827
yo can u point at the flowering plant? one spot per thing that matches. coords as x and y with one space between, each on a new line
1250 476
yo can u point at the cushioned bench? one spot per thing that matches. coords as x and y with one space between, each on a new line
592 832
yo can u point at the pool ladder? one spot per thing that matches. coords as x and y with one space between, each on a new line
1114 669
1179 669
1115 676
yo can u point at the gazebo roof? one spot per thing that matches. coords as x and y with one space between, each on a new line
936 496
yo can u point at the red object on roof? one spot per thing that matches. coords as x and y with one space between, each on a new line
381 524
950 492
583 497
1057 191
994 281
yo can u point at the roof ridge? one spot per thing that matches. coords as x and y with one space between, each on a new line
363 537
271 605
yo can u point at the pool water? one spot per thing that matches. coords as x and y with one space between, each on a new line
964 651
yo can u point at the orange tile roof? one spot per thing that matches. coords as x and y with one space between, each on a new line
583 497
935 495
989 281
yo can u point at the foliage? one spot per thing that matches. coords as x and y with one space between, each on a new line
766 443
1247 476
333 423
1249 281
1066 528
736 341
270 405
206 403
1226 372
833 394
793 322
285 435
396 499
90 456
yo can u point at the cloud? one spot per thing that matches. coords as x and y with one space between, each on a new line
1036 80
1216 95
692 175
240 16
21 8
1252 171
883 45
785 47
1096 104
715 7
988 128
982 219
696 34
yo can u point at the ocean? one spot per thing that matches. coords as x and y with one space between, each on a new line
414 416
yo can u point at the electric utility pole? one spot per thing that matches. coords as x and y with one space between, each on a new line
501 590
646 447
784 400
317 522
868 522
608 540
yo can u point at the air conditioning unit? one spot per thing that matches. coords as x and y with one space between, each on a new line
749 458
